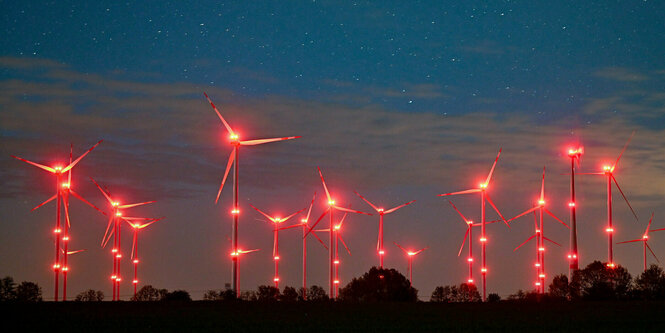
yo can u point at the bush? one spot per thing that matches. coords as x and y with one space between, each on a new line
149 293
651 283
466 292
289 295
28 292
7 289
267 293
177 295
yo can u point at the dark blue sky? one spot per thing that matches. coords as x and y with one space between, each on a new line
402 100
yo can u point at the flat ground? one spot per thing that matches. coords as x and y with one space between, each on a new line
334 317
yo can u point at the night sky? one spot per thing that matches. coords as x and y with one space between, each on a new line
396 100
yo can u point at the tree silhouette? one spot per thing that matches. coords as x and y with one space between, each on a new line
453 294
90 295
7 289
651 283
559 287
379 285
149 293
177 295
267 293
599 282
316 294
289 295
493 298
28 292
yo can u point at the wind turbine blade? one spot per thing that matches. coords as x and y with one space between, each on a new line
339 226
324 185
624 197
292 215
421 250
558 219
650 250
661 229
496 209
535 220
71 165
136 204
466 235
551 241
75 252
523 213
228 127
474 190
489 176
542 187
108 226
134 244
311 204
262 213
49 169
291 226
226 173
367 201
623 150
103 192
319 239
526 241
249 251
69 173
45 202
65 204
317 222
77 196
350 210
458 212
631 241
590 173
398 207
262 141
403 249
147 224
274 243
649 225
344 243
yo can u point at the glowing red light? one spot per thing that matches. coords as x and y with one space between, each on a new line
380 210
114 250
483 185
234 254
571 204
469 259
607 168
112 277
469 222
542 276
645 237
331 202
136 261
235 211
537 265
118 255
570 256
65 238
411 253
135 281
276 257
381 252
541 202
609 229
65 268
115 203
276 279
483 239
65 185
118 279
537 230
610 265
57 231
304 221
537 283
233 137
541 249
336 281
484 270
118 214
470 280
336 262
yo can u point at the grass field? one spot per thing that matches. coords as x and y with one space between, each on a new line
330 317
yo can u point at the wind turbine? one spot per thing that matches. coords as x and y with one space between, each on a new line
539 235
136 226
58 170
575 156
115 220
381 211
235 211
410 254
333 235
482 189
305 227
468 235
644 240
276 221
608 171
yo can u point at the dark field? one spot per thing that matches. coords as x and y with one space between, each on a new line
324 317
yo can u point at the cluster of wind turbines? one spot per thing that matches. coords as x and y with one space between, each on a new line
482 189
116 219
62 236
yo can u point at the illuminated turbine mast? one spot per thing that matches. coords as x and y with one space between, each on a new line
573 257
235 211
